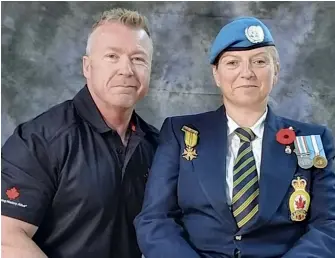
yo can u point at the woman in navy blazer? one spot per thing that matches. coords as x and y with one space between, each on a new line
240 181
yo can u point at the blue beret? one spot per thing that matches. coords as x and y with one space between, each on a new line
243 33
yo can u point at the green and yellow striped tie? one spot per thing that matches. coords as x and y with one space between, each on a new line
245 185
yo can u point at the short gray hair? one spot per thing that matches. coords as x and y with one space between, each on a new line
127 17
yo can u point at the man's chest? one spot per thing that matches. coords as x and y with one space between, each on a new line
96 173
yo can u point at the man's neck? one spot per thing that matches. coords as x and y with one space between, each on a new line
245 116
115 117
118 119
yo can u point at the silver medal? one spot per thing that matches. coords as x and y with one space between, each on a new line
304 161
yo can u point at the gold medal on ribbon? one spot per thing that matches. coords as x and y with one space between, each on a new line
299 200
320 161
191 140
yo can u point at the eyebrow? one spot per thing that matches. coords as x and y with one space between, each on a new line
119 50
236 56
261 53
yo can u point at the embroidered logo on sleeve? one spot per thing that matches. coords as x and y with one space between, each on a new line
12 194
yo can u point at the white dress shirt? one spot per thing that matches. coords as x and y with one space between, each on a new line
234 145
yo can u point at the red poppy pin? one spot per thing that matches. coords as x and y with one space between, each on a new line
286 136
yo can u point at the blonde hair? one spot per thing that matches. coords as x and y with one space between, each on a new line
126 17
272 50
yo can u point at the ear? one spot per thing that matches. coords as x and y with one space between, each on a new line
86 66
216 75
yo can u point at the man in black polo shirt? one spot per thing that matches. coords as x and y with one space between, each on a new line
73 178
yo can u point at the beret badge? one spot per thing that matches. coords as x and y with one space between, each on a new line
254 34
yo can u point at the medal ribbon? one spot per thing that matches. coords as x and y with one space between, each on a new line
305 144
302 145
298 145
315 145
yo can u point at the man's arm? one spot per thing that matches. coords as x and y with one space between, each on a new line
28 183
319 240
158 234
16 239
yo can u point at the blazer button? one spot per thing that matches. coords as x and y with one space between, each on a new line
238 238
119 150
237 253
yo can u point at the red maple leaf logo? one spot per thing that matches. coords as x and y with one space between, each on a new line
300 203
12 193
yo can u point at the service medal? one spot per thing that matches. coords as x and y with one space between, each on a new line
319 160
301 149
190 140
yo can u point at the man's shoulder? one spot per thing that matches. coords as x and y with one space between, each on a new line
151 132
152 129
51 123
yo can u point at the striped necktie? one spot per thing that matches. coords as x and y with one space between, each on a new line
245 185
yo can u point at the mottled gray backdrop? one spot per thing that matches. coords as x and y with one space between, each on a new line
42 44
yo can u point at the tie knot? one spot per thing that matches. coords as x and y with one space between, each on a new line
245 134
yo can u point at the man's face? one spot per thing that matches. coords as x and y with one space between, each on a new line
118 66
246 78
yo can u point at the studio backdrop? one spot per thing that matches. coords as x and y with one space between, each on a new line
43 43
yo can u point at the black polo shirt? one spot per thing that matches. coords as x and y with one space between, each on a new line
68 173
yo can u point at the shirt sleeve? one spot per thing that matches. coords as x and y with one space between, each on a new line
28 178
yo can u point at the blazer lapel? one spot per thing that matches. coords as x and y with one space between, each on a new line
210 165
276 173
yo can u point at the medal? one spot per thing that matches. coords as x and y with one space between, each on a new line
320 162
190 140
301 149
319 159
305 162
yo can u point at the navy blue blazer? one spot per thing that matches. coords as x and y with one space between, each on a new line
185 212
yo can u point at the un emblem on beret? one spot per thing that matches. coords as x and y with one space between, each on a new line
254 34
